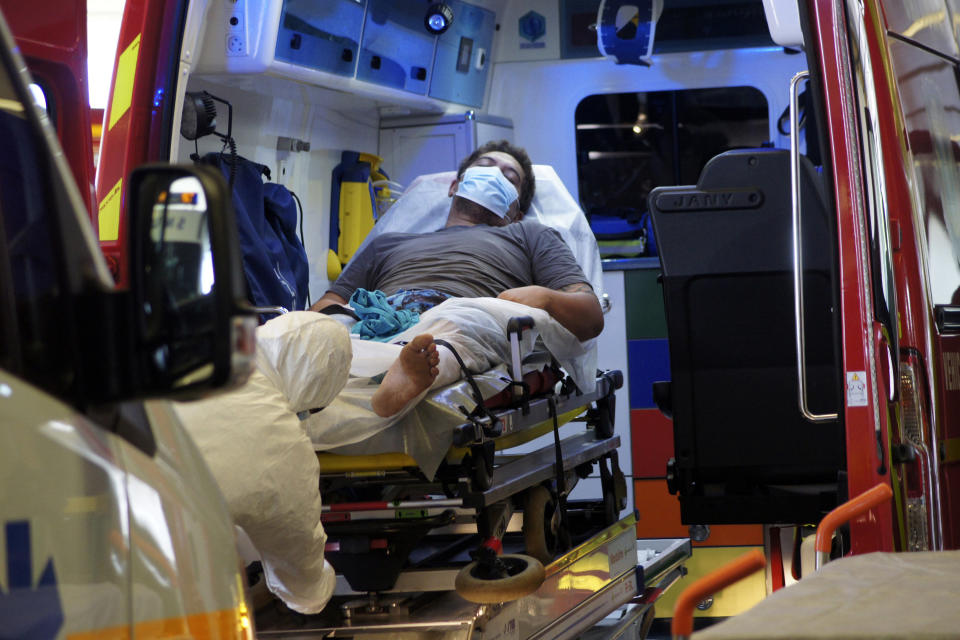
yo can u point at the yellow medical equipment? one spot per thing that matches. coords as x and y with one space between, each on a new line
353 205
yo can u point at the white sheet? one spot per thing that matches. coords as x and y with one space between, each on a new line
477 327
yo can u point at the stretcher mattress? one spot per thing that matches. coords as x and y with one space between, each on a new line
876 595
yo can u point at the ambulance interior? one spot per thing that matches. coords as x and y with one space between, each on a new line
296 84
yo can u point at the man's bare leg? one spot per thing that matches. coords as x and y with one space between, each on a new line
413 372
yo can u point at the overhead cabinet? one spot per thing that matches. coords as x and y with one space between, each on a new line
355 45
321 35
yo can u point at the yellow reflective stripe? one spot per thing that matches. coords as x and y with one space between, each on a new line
108 215
123 82
227 623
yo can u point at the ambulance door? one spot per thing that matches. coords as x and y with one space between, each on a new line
925 60
138 119
53 41
844 60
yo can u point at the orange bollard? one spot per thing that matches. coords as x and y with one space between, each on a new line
682 624
844 513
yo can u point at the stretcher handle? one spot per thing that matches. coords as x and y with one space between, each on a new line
682 624
515 328
844 513
519 324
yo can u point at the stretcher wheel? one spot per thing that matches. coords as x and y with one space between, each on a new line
524 576
540 522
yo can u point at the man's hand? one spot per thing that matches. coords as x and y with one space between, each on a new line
575 306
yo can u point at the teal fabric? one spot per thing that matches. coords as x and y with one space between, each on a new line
378 320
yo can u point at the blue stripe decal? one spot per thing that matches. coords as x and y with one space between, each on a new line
27 611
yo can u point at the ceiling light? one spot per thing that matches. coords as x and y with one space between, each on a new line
439 18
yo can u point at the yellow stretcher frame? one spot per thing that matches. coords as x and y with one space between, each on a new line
335 463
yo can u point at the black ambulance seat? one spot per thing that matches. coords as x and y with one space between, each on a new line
743 451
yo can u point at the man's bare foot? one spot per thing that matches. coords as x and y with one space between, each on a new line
410 374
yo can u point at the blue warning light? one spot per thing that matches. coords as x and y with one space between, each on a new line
438 19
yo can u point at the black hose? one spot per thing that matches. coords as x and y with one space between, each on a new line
302 243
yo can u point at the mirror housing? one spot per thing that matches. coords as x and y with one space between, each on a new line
193 330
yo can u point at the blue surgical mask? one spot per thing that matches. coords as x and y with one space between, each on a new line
488 187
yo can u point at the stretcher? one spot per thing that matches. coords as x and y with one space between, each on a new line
876 595
379 510
469 547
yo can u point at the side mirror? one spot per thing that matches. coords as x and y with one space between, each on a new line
193 329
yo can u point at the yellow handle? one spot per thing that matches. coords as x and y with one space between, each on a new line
371 159
333 265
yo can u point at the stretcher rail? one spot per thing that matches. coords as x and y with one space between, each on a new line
539 466
536 410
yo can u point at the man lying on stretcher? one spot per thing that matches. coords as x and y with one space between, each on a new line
260 451
486 249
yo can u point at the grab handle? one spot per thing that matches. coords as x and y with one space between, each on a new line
797 258
682 624
515 328
844 513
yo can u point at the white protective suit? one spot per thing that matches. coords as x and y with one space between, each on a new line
262 458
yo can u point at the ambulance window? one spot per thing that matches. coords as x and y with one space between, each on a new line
34 325
684 25
629 143
930 99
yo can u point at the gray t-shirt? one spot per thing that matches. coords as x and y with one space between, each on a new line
468 262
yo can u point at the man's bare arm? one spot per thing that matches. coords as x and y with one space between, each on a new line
328 298
574 306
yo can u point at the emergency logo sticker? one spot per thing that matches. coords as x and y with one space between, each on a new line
28 611
532 27
856 388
